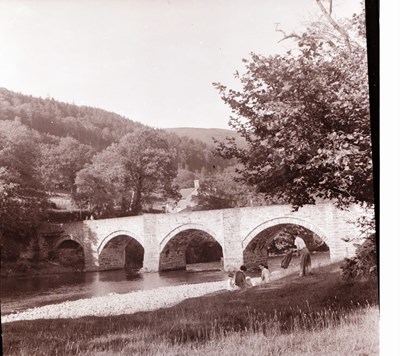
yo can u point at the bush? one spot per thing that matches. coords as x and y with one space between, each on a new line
364 263
10 248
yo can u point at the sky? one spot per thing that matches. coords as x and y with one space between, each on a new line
150 61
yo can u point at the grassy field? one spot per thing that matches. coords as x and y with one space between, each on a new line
314 315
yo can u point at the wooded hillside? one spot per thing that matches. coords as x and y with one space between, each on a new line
98 128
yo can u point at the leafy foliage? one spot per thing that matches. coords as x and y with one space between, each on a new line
195 155
55 121
90 126
62 161
128 174
283 238
22 200
185 178
305 117
222 190
364 263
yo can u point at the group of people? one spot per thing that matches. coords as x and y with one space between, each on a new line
239 280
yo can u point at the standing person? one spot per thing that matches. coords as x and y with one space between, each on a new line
240 277
305 258
265 275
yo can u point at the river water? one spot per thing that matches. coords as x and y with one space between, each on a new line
18 294
22 293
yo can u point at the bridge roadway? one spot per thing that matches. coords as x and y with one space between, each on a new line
164 236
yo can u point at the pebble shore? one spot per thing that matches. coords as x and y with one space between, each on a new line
117 304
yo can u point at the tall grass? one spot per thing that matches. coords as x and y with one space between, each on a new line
285 316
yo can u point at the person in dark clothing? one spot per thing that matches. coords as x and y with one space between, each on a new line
240 277
287 258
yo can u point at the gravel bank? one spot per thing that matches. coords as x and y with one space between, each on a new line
117 304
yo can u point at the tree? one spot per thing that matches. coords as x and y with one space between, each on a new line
305 117
184 179
95 192
140 167
223 190
61 162
22 199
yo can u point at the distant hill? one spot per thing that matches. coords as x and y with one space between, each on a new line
98 128
90 126
207 135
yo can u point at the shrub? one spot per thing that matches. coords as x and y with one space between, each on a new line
364 263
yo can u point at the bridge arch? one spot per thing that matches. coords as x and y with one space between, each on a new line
188 226
117 233
68 237
269 240
280 221
69 251
187 244
120 249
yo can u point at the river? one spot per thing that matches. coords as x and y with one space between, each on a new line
18 294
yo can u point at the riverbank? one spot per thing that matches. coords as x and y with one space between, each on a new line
118 304
28 268
134 301
312 314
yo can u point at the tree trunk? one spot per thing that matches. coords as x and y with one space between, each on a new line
137 203
334 24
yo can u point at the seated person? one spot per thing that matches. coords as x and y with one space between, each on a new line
249 282
240 277
265 275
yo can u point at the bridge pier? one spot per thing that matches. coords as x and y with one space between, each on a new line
151 259
232 249
91 259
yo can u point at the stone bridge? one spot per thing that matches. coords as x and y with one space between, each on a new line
164 237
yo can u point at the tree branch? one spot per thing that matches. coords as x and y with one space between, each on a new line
285 36
334 24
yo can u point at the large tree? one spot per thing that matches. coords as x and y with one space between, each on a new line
222 190
137 169
62 161
22 199
305 117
